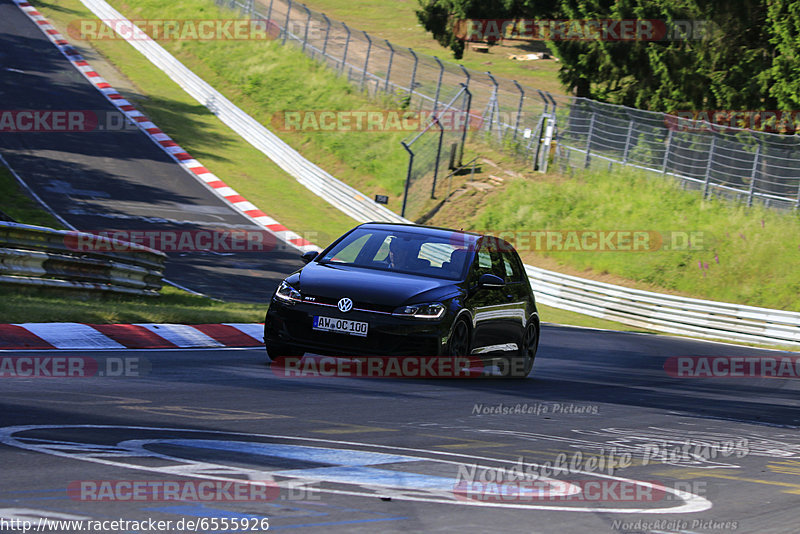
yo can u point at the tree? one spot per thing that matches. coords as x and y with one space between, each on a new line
439 16
783 19
726 62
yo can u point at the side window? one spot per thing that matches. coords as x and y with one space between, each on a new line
486 261
511 268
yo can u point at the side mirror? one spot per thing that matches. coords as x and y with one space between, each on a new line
310 255
490 281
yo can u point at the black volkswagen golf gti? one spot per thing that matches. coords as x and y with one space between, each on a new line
404 290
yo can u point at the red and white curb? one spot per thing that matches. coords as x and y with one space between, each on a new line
175 151
79 336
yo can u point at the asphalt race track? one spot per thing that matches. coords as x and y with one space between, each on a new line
384 455
106 180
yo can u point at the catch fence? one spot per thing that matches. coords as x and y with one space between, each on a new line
575 133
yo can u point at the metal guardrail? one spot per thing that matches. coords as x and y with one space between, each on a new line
659 312
39 256
666 313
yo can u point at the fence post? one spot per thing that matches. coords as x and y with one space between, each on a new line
413 77
250 8
708 167
389 68
308 23
538 132
666 153
627 143
753 178
327 34
549 133
286 25
408 176
438 85
519 108
438 156
797 204
366 61
493 105
589 142
346 46
269 13
467 109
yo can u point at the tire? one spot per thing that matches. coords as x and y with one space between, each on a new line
459 344
520 366
276 349
282 350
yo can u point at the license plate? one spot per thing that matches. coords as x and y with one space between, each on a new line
341 326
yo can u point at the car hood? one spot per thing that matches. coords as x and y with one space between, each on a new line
371 286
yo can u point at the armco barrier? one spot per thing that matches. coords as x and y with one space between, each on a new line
664 313
38 256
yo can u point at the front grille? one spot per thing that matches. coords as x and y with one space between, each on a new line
357 305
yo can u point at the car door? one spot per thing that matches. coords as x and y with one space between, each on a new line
494 316
517 293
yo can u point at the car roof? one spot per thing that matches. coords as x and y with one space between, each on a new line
422 230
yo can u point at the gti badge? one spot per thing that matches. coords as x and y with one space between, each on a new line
345 305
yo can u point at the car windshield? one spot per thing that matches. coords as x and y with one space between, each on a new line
401 251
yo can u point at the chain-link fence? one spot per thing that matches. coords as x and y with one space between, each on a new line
432 152
736 163
748 165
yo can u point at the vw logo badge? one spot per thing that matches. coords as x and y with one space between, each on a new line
345 305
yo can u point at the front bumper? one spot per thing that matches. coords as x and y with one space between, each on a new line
387 335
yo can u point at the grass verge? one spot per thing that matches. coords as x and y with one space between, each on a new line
173 306
18 205
710 249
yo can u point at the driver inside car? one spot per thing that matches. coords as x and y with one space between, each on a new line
404 256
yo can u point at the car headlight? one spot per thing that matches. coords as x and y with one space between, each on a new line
421 311
287 293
